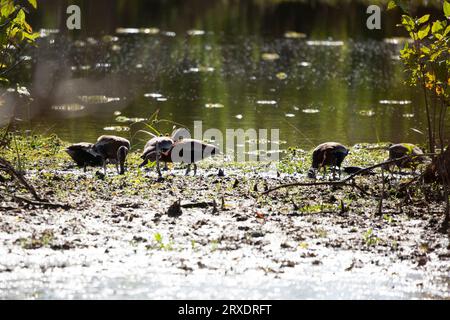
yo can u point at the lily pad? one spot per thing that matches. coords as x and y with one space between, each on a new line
117 128
272 102
214 105
270 56
400 102
127 30
294 35
310 110
281 75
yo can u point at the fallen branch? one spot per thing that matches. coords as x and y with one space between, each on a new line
9 169
43 203
347 179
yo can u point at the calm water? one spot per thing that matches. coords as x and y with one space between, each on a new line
229 64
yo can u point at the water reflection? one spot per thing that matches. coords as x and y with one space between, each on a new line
286 68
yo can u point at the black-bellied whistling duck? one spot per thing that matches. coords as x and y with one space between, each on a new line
399 150
84 155
177 149
330 154
113 150
190 151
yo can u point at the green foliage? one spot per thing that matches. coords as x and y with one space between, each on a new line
15 33
427 61
370 239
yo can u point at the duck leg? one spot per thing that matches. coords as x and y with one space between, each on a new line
195 169
188 169
158 155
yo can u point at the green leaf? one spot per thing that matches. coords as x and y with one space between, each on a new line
423 19
391 5
408 22
33 3
447 30
446 8
7 8
437 26
425 50
424 31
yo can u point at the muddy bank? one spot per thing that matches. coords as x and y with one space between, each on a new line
118 241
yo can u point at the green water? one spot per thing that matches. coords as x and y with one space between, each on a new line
214 53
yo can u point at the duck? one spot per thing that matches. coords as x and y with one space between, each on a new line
330 154
190 151
400 150
173 150
112 149
84 155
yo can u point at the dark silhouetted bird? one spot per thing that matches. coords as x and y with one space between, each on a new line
114 150
328 154
84 155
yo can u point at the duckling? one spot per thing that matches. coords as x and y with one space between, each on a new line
112 149
399 150
327 154
84 155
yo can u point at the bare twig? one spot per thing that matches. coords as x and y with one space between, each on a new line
347 179
43 203
8 168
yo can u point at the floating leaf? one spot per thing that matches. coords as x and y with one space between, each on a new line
127 30
238 116
270 56
289 115
400 102
294 35
196 32
149 30
214 105
367 113
117 128
153 95
266 102
310 111
281 75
